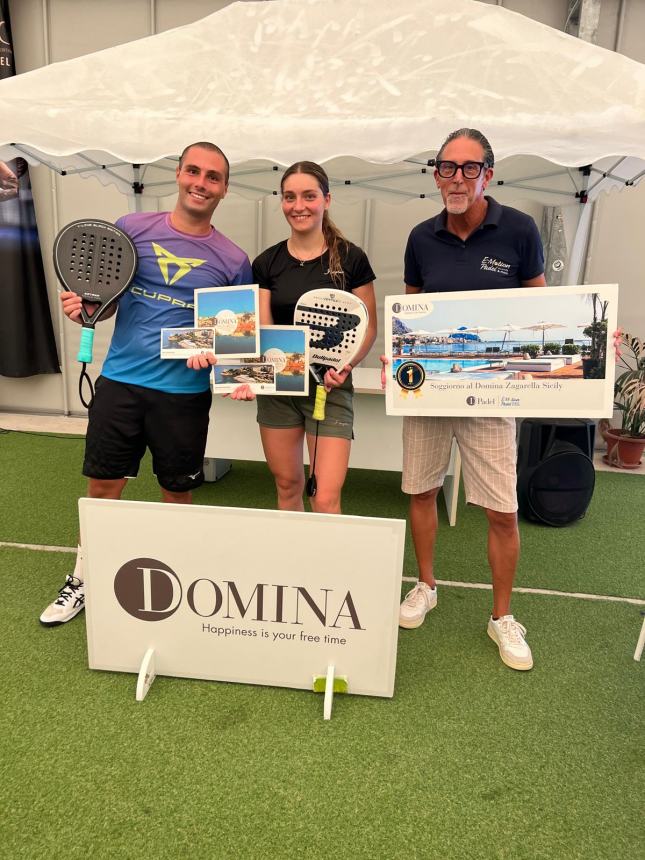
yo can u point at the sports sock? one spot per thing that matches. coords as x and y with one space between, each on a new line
78 568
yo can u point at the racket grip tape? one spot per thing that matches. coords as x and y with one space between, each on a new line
319 404
85 346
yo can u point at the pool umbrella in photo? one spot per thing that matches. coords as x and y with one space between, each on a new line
478 329
474 331
462 333
583 326
507 328
589 325
543 327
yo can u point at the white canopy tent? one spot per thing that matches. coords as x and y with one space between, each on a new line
350 79
368 89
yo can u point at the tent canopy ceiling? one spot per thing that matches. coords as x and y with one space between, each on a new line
355 84
352 179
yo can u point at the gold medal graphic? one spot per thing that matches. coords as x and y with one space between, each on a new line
410 376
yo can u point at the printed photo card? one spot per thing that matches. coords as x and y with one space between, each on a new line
282 366
234 314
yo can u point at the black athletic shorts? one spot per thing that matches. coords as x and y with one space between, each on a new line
125 419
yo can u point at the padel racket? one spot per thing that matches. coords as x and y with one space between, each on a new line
98 262
337 323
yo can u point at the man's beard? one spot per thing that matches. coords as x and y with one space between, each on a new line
457 207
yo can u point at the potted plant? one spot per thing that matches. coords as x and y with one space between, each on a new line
570 349
625 445
594 360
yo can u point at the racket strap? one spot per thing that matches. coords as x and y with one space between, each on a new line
84 377
312 484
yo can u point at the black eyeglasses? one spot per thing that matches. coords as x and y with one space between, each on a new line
469 169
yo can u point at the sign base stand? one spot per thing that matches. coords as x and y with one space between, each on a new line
147 674
215 468
329 684
641 642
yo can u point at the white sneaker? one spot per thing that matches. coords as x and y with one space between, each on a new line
509 635
416 605
71 599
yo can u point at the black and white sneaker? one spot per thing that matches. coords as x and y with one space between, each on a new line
71 599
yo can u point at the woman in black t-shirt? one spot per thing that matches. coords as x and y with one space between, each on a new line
316 255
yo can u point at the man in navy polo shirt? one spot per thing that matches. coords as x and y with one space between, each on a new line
473 244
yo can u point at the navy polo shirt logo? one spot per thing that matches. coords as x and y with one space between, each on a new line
502 253
492 264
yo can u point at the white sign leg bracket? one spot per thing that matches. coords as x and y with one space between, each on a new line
329 693
641 643
330 684
147 674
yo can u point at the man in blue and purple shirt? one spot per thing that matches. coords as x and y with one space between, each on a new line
142 401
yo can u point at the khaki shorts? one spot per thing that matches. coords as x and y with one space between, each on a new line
283 412
488 455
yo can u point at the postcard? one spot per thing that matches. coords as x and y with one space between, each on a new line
282 366
544 352
184 342
233 313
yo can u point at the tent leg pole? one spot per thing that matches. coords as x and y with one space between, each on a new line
60 316
137 188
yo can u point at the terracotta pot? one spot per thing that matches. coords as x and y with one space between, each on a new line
606 431
623 451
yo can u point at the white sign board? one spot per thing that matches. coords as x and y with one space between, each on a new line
532 352
230 594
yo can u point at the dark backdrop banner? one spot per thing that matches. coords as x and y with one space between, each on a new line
27 344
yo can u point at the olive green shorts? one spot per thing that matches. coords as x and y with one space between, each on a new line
283 412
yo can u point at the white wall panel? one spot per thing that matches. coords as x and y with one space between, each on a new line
83 28
170 13
550 12
632 43
618 253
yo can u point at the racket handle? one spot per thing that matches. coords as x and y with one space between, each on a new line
85 347
319 405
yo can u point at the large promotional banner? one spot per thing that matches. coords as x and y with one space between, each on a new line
254 596
27 344
541 352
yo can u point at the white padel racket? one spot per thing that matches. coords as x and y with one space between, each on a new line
337 323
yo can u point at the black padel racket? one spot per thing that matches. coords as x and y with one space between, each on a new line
337 323
98 262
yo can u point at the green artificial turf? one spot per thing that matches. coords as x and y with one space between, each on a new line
600 554
468 760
